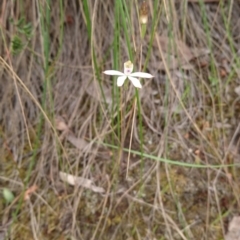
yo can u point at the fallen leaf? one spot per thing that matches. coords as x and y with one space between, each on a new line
69 19
62 126
177 54
77 142
30 191
223 72
3 235
233 229
80 181
237 90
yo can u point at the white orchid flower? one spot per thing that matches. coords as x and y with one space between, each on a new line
128 68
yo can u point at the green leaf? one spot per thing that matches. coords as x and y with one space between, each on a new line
8 195
16 45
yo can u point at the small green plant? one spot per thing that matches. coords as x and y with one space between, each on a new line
23 34
24 28
8 195
16 45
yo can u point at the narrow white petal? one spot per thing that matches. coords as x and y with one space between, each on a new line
136 83
141 75
113 72
121 80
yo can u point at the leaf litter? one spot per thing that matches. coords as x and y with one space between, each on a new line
79 143
178 54
233 229
196 211
80 182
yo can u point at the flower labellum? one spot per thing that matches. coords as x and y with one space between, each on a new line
128 68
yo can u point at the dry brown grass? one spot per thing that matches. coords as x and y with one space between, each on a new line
189 111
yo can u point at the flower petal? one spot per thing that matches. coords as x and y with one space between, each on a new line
113 72
141 75
121 80
136 83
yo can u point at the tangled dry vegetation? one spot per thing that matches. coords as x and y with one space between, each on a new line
54 120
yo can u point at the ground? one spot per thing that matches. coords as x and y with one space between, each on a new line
81 158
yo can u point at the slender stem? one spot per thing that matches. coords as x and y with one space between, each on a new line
131 137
